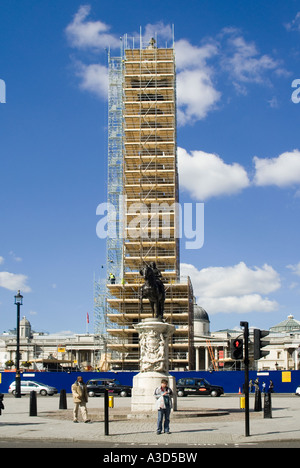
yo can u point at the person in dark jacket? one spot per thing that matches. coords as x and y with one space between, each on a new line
1 403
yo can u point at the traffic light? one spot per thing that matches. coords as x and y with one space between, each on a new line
259 343
236 349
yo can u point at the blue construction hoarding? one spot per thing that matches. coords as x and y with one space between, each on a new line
231 381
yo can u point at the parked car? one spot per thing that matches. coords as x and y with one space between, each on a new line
28 386
96 387
297 392
195 386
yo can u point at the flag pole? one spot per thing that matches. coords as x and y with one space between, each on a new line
87 323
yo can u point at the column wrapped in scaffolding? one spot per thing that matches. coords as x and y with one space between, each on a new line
142 166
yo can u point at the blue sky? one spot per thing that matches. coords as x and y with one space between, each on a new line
238 151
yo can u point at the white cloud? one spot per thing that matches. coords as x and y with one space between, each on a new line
198 66
1 260
94 78
242 305
190 56
294 25
13 281
206 175
234 280
196 88
92 36
196 93
235 288
243 62
273 102
158 30
15 257
281 171
84 34
295 268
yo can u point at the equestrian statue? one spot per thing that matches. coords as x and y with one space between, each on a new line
153 289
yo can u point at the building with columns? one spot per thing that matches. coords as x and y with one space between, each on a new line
211 349
284 346
41 349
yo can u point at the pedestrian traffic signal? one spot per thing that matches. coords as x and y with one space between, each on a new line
259 343
236 349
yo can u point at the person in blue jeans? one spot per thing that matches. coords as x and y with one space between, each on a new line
163 395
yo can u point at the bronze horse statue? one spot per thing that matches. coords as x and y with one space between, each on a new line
154 290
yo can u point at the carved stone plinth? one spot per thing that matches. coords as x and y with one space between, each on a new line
154 337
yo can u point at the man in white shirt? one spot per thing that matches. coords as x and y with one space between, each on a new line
163 395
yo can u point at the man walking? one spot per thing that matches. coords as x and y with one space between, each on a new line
80 398
163 395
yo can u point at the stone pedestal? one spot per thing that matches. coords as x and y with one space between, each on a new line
154 337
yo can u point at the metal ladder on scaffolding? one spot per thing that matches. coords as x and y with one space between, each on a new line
212 357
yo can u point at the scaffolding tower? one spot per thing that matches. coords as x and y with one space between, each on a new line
114 241
143 198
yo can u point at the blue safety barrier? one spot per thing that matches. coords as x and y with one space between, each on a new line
231 381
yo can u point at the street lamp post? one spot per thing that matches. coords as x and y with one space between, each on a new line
18 302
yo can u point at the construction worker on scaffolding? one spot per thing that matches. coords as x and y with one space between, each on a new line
112 278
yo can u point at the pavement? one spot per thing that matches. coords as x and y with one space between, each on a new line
199 421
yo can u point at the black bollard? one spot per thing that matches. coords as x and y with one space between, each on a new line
267 406
257 401
63 399
106 414
32 404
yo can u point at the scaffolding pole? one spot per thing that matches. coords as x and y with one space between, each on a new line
114 262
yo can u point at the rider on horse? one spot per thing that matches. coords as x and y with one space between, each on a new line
153 289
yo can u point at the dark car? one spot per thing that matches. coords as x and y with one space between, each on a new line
194 386
96 387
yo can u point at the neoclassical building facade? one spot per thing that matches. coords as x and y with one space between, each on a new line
76 350
211 349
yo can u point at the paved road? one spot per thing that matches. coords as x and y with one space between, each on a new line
52 424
